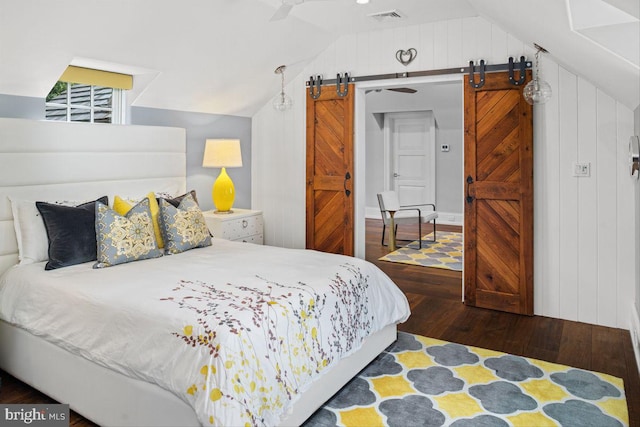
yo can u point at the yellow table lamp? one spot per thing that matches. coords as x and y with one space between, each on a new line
222 153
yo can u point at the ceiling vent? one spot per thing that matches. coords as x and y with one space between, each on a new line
388 16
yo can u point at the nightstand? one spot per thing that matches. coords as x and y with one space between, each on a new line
242 225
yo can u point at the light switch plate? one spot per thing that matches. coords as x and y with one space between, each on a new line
581 169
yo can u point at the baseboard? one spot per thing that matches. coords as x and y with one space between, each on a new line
635 333
447 218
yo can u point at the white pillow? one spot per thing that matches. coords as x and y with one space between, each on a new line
33 245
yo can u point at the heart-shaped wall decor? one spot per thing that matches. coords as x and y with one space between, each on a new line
405 57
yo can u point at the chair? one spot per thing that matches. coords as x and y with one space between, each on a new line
409 214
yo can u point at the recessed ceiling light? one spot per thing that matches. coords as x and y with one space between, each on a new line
362 1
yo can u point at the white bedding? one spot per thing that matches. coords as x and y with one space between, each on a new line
234 329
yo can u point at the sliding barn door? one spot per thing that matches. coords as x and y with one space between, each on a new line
498 226
330 172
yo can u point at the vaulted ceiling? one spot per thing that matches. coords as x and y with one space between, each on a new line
219 56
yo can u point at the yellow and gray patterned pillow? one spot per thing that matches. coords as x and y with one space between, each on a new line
125 238
183 227
122 206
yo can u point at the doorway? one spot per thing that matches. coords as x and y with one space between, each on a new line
443 96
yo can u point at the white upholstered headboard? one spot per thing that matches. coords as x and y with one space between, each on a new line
42 160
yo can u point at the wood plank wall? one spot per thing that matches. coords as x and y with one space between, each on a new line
584 227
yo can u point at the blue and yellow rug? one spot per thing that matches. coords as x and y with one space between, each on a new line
445 253
420 381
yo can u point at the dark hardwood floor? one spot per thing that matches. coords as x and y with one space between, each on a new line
437 312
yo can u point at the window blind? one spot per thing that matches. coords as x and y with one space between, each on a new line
93 77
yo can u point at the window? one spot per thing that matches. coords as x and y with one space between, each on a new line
86 95
84 103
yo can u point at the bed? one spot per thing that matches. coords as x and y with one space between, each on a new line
224 334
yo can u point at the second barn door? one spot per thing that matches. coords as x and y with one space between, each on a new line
498 171
329 182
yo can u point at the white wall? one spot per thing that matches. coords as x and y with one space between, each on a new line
584 227
450 174
374 174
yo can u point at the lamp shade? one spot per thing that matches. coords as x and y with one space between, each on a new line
222 153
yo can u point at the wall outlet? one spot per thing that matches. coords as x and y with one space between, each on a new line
581 169
444 147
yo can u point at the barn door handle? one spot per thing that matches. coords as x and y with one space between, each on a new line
347 177
469 196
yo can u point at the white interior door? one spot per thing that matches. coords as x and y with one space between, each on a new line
410 140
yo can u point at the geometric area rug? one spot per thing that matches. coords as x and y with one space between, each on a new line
445 253
419 381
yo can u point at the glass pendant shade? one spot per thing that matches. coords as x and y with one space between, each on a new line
537 92
282 102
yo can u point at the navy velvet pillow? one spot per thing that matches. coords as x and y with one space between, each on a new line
71 232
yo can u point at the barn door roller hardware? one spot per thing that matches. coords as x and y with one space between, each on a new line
342 82
314 83
472 80
512 78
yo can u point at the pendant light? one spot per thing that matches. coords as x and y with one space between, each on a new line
282 101
537 91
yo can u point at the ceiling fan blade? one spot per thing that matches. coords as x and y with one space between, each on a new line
282 12
403 89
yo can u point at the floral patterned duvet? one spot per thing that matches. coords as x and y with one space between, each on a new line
236 330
